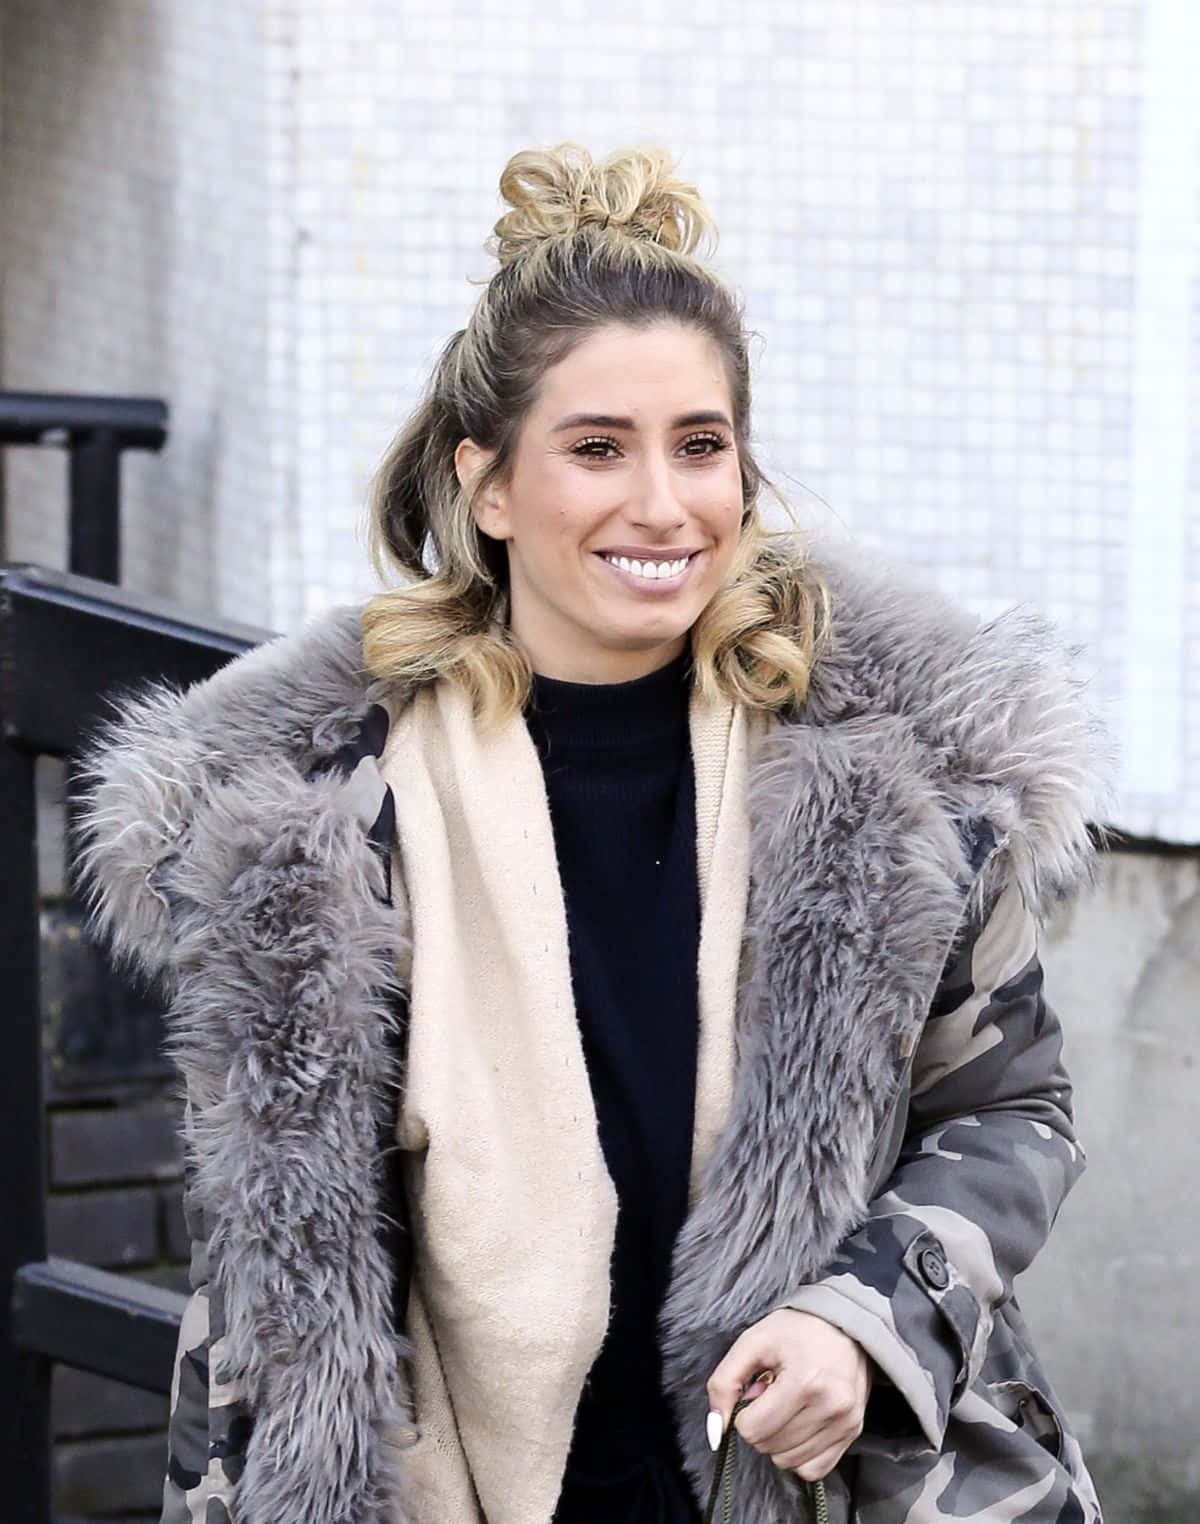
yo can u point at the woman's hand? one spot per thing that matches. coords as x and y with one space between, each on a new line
813 1408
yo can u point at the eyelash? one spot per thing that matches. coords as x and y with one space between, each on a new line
715 441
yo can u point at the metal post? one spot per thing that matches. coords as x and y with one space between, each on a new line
95 535
24 1378
95 430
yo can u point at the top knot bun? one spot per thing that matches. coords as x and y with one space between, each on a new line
557 192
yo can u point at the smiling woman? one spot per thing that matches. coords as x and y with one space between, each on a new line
643 912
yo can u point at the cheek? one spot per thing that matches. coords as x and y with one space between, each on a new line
550 512
572 500
723 520
722 505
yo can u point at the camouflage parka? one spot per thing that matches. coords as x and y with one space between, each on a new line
900 1137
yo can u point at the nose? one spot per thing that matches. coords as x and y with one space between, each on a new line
654 502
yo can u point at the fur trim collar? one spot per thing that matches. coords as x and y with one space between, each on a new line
933 760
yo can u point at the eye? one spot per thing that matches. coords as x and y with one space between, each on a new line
700 445
595 447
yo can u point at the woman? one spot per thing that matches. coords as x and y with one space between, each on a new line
638 914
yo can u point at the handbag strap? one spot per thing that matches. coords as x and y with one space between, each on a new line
722 1484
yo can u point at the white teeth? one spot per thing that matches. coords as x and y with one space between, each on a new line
650 570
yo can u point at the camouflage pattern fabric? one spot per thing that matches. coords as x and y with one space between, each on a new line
209 1425
962 1426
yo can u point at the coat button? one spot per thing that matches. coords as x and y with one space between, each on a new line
932 1265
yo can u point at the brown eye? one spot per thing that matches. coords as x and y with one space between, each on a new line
704 444
595 447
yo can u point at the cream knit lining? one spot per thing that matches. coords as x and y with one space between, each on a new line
514 1212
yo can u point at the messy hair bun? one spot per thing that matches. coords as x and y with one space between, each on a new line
556 192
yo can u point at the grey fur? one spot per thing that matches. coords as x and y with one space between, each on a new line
214 864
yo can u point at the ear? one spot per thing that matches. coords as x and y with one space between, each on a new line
489 508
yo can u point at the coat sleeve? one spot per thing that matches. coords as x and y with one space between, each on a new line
989 1153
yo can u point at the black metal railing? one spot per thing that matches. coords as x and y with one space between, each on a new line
95 430
64 641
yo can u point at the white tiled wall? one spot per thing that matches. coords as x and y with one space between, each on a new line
134 186
967 233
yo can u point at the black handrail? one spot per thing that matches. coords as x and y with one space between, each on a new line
95 430
95 1321
64 640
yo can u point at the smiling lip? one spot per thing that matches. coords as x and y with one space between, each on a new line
649 553
650 585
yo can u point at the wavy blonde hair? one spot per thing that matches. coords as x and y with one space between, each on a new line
583 245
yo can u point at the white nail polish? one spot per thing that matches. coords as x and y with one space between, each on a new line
713 1427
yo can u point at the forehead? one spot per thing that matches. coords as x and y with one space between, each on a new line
663 369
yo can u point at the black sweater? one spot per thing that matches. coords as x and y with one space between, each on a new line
618 771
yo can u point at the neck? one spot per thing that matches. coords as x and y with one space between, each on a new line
600 665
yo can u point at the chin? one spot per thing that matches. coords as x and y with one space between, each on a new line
646 640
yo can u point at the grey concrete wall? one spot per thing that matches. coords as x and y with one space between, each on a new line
1115 1296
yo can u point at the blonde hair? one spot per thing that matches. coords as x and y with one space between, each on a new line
583 245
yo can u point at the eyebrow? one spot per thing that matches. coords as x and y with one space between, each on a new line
610 421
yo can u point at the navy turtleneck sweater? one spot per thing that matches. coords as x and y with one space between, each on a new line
618 769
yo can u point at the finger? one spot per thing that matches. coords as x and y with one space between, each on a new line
820 1405
817 1456
779 1406
817 1424
807 1434
820 1466
803 1400
840 1427
749 1354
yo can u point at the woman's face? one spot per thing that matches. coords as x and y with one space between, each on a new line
622 509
